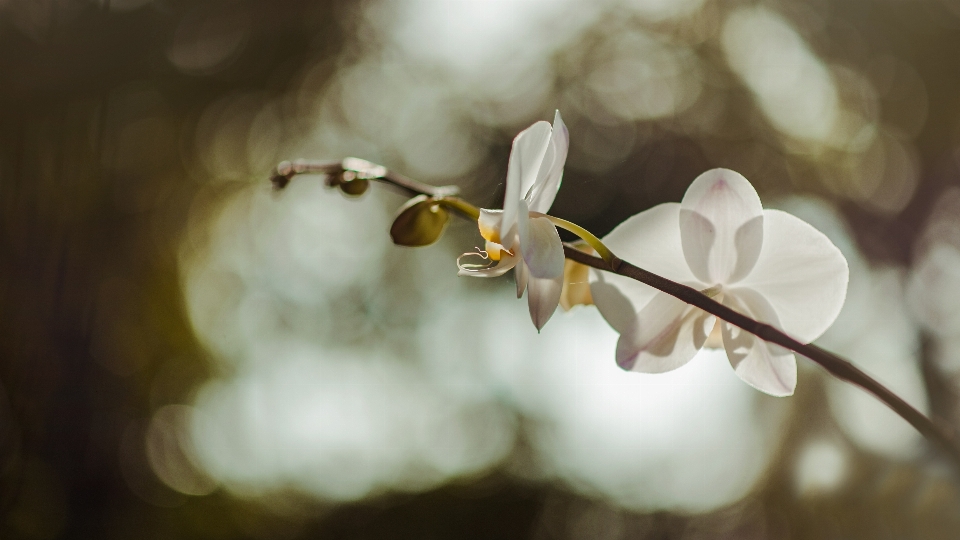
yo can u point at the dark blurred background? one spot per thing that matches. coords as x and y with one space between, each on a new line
185 354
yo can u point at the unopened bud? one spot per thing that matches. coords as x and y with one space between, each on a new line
420 222
354 187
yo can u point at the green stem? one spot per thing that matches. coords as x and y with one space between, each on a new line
460 205
584 235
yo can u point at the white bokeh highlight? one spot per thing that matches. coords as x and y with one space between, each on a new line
792 85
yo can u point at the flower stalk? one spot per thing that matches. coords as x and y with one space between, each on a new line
584 235
835 365
352 169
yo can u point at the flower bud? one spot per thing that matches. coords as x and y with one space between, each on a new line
354 187
420 222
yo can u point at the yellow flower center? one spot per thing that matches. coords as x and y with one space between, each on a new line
490 234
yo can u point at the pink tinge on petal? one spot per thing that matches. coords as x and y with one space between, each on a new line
721 226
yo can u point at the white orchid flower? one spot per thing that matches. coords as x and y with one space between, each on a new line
766 264
519 236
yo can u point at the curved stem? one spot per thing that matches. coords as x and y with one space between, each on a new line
463 207
835 365
584 235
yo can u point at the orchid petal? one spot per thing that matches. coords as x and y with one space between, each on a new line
501 268
667 333
764 366
618 309
544 190
801 274
721 226
489 224
521 274
543 296
540 245
651 240
526 156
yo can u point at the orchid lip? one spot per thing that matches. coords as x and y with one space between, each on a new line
483 255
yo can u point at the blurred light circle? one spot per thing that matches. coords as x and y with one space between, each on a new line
821 467
260 254
888 352
340 426
884 177
225 140
432 142
934 289
469 36
637 77
170 454
903 94
264 137
693 439
793 86
874 332
661 10
208 38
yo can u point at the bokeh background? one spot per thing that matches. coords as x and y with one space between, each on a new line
186 354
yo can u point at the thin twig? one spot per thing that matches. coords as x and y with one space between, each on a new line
835 365
359 169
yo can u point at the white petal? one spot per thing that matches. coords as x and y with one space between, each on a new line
526 157
650 240
764 366
501 268
543 297
801 274
544 190
617 308
489 224
540 245
721 226
665 336
521 275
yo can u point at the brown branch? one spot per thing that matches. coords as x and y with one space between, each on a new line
351 169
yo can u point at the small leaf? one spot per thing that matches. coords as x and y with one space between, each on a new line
419 223
355 187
